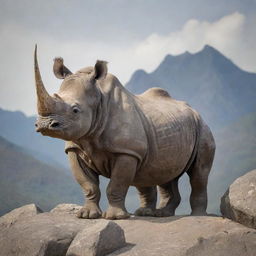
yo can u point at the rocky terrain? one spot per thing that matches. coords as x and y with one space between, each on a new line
28 231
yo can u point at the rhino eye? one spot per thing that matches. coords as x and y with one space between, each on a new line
76 110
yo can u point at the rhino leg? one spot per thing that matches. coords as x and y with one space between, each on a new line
199 172
89 182
148 198
169 198
122 176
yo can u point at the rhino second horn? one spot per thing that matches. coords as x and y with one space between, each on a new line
44 101
59 69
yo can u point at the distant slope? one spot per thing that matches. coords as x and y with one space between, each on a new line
23 180
207 80
235 155
20 130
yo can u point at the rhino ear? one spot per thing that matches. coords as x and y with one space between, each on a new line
59 69
100 69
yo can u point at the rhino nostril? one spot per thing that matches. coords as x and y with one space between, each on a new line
54 124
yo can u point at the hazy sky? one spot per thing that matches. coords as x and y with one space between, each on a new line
128 34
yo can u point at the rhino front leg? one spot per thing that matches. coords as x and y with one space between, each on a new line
89 181
148 198
122 176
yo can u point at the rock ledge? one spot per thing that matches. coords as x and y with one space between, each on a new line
60 233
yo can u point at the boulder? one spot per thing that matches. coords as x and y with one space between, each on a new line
239 201
23 212
100 239
46 234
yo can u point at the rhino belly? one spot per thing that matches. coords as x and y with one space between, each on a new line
168 155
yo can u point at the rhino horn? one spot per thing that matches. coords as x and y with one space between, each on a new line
44 101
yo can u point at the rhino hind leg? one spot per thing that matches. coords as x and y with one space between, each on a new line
148 198
169 198
199 172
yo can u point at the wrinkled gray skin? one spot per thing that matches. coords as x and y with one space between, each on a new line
145 140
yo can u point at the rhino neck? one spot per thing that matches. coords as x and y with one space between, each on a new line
99 118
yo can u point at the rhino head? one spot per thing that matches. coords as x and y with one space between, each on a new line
70 113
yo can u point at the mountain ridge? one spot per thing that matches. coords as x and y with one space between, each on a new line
210 82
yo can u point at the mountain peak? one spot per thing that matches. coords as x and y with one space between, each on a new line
169 56
209 49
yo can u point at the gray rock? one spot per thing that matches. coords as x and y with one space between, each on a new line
67 208
180 235
234 242
46 234
23 212
239 201
98 240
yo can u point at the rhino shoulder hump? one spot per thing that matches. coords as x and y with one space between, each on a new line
156 92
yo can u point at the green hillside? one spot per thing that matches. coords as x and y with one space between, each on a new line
23 180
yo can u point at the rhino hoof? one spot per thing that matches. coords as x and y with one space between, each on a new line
144 211
199 213
164 212
89 213
114 213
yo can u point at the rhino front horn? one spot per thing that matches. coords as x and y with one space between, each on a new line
44 101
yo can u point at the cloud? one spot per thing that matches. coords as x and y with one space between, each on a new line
234 35
224 34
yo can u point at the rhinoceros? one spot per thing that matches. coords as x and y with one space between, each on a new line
147 141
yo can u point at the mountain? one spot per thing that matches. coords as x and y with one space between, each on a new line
24 180
207 80
20 130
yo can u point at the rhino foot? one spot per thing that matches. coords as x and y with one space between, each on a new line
164 212
113 213
89 212
144 211
198 213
